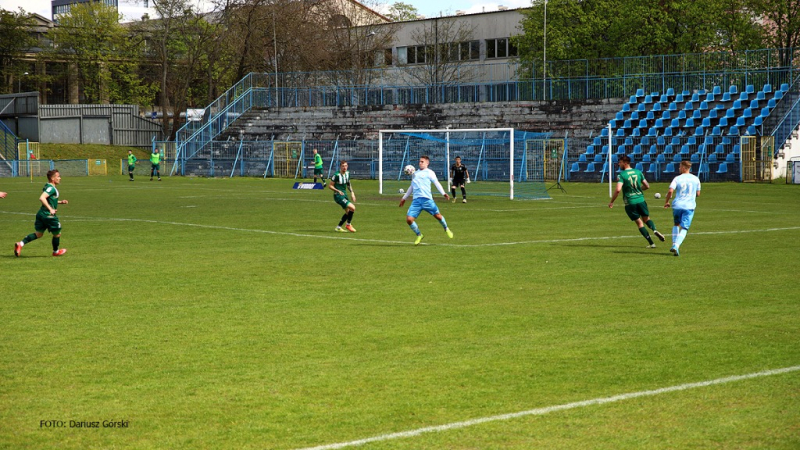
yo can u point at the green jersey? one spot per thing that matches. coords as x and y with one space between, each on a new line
631 180
155 158
132 159
341 181
317 161
52 197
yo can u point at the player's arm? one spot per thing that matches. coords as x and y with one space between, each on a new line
405 196
439 186
668 197
43 200
352 192
645 185
332 187
466 173
616 194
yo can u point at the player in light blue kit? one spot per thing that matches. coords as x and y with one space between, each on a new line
686 188
423 199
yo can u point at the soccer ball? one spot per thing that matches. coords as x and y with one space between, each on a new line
658 195
401 191
409 170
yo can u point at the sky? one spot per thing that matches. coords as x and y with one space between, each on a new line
134 9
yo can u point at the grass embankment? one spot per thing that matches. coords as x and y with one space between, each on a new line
89 151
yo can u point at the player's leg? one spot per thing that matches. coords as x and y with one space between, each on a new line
634 213
652 226
431 208
683 223
342 201
463 194
152 172
351 209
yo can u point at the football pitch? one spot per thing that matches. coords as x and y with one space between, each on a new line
227 313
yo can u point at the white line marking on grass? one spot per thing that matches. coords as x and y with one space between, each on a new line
550 409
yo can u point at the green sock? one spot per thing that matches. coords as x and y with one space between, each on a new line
651 224
646 235
56 242
29 238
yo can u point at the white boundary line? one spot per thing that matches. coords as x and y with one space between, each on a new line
383 241
550 409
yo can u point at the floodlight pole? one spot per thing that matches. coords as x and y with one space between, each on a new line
544 57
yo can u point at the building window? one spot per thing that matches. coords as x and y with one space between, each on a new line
500 48
411 55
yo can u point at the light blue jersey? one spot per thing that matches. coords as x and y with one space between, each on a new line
421 184
685 187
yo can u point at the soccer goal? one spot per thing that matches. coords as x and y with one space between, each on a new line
500 161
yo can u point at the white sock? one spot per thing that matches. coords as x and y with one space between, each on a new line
681 237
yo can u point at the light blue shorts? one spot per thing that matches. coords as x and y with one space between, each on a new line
422 204
683 217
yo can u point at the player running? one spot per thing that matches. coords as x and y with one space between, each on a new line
46 218
340 184
423 199
458 176
631 183
686 188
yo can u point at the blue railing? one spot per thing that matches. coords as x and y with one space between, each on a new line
8 142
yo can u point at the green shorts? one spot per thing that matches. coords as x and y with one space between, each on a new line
341 200
157 167
317 171
637 210
130 168
44 221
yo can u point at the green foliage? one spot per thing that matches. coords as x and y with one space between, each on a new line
400 12
15 39
226 313
89 151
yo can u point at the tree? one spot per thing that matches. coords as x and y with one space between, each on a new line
400 12
782 24
15 39
91 41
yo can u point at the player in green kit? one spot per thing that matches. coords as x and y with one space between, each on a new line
318 168
155 160
340 184
131 164
46 218
631 183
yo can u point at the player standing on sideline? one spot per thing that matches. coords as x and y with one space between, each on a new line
458 176
46 218
318 168
340 183
631 183
423 199
686 188
131 164
155 160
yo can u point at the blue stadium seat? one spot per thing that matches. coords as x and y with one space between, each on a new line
704 168
637 149
653 149
778 95
695 158
716 131
576 167
697 114
646 158
653 168
726 97
709 141
597 141
749 89
689 123
612 123
688 106
636 132
627 124
634 116
734 130
641 107
648 99
626 107
675 142
682 114
599 157
686 93
767 88
671 92
685 150
670 168
640 167
785 87
657 107
628 141
661 141
676 123
713 114
754 104
619 117
589 168
677 157
723 168
736 149
661 159
751 130
710 97
726 140
673 106
723 122
621 132
706 123
652 132
716 90
770 104
730 113
733 90
644 141
668 150
712 158
666 114
720 149
633 100
590 149
739 122
760 96
759 121
719 106
744 97
640 93
703 107
737 104
651 116
695 97
730 157
667 131
691 141
664 98
621 150
699 131
604 132
582 157
747 113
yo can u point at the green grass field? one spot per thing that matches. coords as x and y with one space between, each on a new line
227 314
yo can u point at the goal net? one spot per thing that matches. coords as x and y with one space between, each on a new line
500 161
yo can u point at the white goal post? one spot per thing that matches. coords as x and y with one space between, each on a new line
473 138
